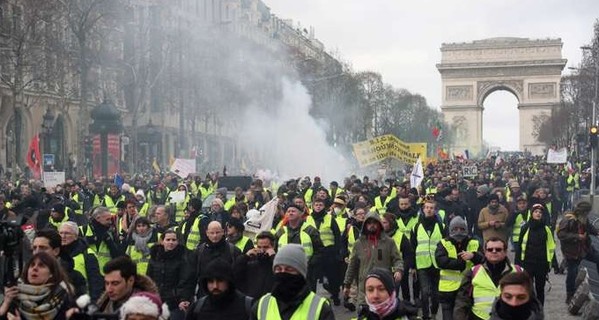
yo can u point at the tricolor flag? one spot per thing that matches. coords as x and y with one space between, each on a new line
34 157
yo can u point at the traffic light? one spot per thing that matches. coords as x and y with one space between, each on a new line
593 133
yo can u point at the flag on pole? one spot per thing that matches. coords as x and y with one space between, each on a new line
118 180
34 157
155 166
417 174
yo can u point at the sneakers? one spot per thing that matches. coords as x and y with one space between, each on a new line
348 305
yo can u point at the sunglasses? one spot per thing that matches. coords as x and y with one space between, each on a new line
494 249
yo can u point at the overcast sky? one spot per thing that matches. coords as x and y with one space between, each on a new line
401 39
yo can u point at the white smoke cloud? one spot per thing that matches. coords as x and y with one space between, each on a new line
290 140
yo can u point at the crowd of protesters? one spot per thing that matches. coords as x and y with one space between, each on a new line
157 247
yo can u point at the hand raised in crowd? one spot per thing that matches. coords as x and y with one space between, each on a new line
183 305
15 316
10 293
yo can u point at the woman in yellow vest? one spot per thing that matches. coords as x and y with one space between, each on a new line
381 298
454 255
139 242
536 250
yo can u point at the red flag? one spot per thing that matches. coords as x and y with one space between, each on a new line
34 157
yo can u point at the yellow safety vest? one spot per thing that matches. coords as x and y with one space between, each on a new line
549 246
484 292
111 205
398 238
79 262
242 243
102 252
143 211
305 240
425 250
180 208
406 229
381 207
310 308
80 203
351 239
138 257
325 230
519 221
194 237
64 219
308 197
450 280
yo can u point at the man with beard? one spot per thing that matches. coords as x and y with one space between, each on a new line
517 301
373 249
100 236
291 297
454 255
215 247
449 201
222 300
492 219
476 205
253 270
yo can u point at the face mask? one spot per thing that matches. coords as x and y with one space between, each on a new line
337 210
286 286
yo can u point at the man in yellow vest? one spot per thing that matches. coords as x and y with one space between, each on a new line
480 285
234 230
291 297
101 236
193 228
455 254
381 202
424 238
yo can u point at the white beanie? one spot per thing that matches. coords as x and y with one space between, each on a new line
141 193
145 303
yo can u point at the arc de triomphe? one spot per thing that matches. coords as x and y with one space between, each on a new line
529 69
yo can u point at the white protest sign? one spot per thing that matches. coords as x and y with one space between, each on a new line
184 167
52 179
177 196
261 220
469 171
557 156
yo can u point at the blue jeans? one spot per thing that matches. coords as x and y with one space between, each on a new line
573 265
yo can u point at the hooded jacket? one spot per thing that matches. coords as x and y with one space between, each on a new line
536 310
371 251
173 274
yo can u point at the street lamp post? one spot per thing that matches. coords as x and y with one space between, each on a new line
593 122
47 126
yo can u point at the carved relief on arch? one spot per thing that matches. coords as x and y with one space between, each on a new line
460 127
486 87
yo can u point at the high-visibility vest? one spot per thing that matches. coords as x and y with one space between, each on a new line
310 308
102 251
450 280
431 190
325 230
206 191
381 207
143 211
406 229
111 205
305 240
180 208
79 202
484 292
573 182
138 257
352 237
308 197
518 223
441 214
79 262
549 246
242 243
194 237
398 238
64 219
427 244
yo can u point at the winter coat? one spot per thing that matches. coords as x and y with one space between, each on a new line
401 311
286 310
95 281
208 251
445 262
367 255
253 275
173 274
142 283
486 216
536 246
568 230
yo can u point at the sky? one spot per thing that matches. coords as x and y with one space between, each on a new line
401 40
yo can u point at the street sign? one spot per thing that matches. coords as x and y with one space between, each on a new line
48 159
469 171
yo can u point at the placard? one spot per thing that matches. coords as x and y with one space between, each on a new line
469 171
52 179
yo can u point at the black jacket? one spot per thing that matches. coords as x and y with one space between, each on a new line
253 275
208 251
173 273
401 310
536 246
95 281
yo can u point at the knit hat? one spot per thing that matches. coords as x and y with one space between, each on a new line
339 201
538 206
125 187
482 189
195 203
140 193
145 303
384 276
292 255
217 269
582 208
218 201
458 222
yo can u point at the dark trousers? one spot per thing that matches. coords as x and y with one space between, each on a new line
538 274
405 286
573 265
329 267
429 291
447 300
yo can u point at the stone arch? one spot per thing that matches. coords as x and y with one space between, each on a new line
470 72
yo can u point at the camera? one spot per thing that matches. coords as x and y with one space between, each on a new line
10 239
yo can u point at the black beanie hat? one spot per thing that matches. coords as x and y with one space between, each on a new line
384 276
237 223
217 269
195 203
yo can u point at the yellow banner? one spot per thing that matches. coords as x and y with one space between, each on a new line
388 146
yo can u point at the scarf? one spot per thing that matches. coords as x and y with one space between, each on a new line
384 308
40 302
141 241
